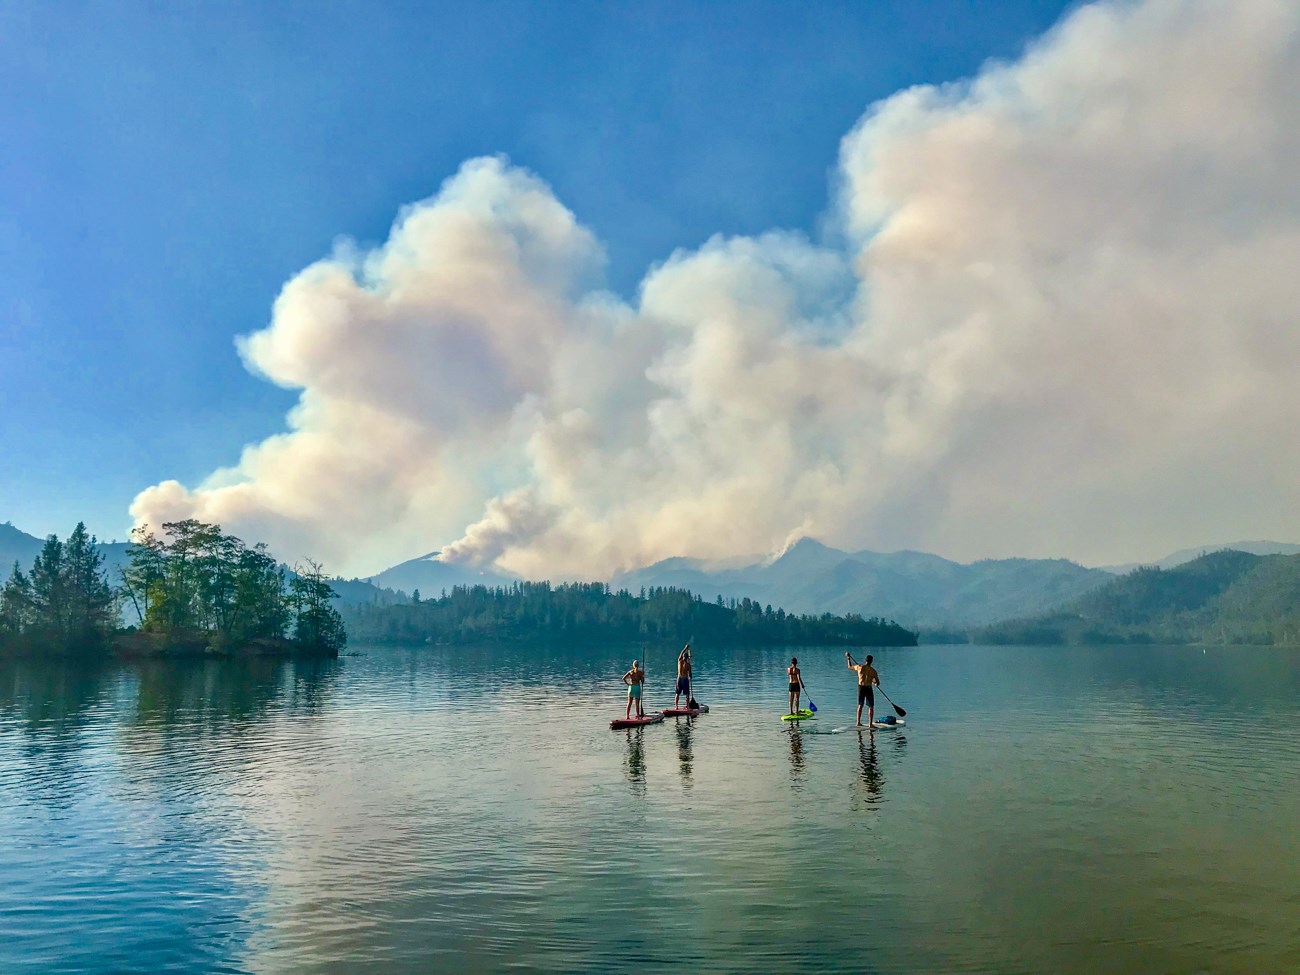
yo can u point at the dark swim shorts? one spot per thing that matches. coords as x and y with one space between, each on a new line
865 693
683 685
794 686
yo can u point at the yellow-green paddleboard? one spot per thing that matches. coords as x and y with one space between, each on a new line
798 716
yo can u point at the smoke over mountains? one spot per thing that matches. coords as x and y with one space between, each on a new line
1054 312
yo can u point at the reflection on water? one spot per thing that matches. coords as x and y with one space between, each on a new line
635 761
872 780
58 696
446 810
120 850
871 776
796 754
684 756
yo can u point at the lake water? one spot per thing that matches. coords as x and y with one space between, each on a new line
437 810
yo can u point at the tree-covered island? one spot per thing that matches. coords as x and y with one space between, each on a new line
192 590
526 612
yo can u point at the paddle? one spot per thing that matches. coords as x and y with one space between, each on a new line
811 707
901 712
690 684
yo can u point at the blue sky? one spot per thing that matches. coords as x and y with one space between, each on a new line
165 168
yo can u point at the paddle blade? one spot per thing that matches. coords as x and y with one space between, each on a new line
901 712
812 707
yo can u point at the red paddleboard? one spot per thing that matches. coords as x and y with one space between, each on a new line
654 717
674 712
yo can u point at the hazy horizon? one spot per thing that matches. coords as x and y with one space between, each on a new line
753 559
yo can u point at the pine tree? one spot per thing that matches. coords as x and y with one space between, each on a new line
16 613
317 624
91 608
49 593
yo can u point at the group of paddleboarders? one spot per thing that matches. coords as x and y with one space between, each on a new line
635 681
868 679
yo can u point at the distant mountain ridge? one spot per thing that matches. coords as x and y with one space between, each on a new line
17 546
1188 554
1223 597
915 588
431 576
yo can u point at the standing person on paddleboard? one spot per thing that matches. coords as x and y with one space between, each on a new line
867 679
796 684
683 677
635 681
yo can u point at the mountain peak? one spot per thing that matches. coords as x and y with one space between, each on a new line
802 547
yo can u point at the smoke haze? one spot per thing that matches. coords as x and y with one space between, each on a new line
1056 314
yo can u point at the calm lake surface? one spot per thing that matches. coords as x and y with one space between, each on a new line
437 810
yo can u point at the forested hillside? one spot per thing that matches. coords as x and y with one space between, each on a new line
589 612
1223 597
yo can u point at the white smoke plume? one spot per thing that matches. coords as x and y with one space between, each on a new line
516 519
1058 317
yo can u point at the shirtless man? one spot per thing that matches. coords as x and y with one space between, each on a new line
683 676
867 679
635 680
796 684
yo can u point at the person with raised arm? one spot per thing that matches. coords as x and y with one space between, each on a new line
683 677
867 679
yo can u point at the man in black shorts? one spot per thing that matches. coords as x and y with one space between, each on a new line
684 673
867 679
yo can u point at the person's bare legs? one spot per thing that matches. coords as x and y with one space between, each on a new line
859 715
629 706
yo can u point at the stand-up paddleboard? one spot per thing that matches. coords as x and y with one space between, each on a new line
677 712
804 715
892 723
654 717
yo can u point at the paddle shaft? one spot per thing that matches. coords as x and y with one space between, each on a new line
803 687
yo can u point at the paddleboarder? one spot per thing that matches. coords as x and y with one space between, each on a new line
683 677
867 679
635 681
796 684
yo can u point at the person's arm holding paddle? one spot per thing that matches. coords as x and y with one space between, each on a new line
873 679
804 689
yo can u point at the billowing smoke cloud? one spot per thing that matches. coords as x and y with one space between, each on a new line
516 519
1059 316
